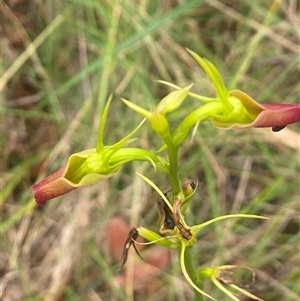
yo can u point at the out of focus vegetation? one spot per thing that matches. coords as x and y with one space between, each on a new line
60 61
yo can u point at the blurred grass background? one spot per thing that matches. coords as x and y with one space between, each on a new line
61 59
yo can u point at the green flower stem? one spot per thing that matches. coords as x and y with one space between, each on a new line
125 155
197 296
190 269
205 112
173 160
189 272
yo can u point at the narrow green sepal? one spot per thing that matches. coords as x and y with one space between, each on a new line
173 100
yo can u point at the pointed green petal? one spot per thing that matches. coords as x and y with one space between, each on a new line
173 100
100 145
213 74
136 108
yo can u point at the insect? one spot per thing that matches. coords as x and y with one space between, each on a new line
167 220
186 233
170 219
130 241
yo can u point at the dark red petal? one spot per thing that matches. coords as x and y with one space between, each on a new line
54 176
277 116
52 190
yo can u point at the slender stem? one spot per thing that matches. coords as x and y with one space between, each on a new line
192 272
173 160
197 296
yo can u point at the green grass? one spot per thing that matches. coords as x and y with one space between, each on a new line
66 57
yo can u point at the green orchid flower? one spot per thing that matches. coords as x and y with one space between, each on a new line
93 165
157 117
